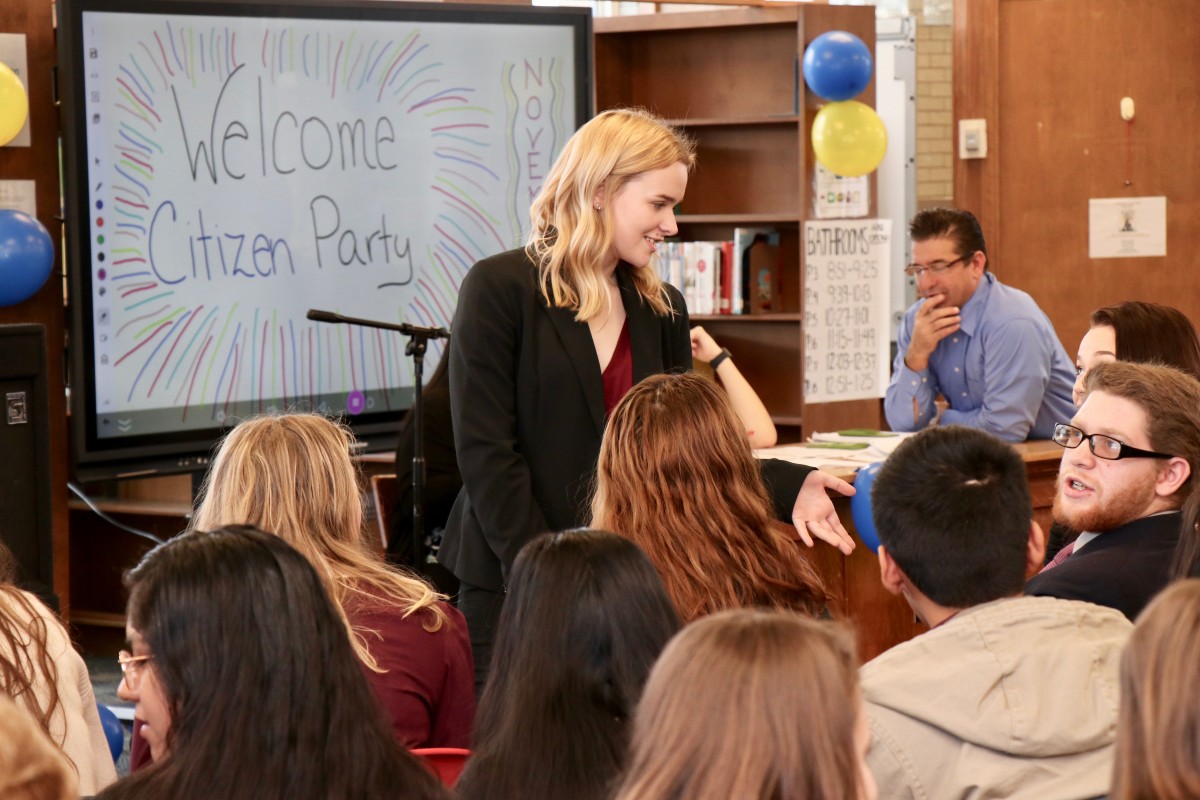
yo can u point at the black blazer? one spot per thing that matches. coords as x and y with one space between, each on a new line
1122 569
527 403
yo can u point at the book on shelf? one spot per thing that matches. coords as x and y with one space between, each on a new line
756 270
697 269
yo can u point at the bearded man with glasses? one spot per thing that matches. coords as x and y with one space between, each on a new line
1127 482
985 347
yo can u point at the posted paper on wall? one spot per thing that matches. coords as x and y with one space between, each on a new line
847 266
1127 227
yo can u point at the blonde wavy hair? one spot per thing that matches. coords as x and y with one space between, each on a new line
1156 754
676 476
755 705
292 475
569 239
31 767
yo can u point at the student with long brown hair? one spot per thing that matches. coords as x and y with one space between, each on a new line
753 705
292 475
42 673
1156 751
676 476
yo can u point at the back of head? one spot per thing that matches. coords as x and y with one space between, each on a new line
585 618
1150 333
265 694
755 705
1157 755
676 475
292 475
949 223
951 505
568 236
289 474
31 767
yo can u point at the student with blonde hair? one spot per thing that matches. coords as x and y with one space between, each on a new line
1157 755
292 475
547 338
755 705
676 476
44 676
31 767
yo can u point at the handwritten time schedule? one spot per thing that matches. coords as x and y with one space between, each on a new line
847 265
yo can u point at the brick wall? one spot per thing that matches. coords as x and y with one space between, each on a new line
935 113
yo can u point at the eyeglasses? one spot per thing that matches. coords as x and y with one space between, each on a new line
937 268
131 667
1102 446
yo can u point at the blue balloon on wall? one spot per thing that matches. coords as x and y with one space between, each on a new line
837 65
26 256
860 505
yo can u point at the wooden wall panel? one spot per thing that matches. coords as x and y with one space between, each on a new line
40 163
1058 140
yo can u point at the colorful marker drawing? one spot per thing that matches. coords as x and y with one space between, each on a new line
207 317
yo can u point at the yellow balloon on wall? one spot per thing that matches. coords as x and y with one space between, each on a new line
849 138
14 105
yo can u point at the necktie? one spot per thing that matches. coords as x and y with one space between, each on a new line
1060 557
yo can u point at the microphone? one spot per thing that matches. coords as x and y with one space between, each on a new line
317 315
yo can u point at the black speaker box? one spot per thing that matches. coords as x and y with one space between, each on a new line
25 458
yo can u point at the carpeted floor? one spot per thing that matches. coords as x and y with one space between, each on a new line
106 675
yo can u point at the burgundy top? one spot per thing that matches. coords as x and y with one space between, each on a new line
429 687
428 690
618 376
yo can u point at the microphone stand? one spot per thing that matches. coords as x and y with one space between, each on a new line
418 341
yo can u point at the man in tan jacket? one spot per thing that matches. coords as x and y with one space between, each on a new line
1005 695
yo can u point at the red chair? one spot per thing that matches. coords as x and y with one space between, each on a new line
446 762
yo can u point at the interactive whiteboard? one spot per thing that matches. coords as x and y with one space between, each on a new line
231 166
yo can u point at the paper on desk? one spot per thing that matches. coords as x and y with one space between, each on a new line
819 456
880 444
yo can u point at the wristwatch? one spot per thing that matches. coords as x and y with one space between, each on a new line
721 356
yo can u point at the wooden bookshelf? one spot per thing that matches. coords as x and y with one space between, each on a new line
731 79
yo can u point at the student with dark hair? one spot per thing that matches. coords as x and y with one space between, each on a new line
1005 695
585 618
242 670
720 715
984 346
669 442
42 673
1156 756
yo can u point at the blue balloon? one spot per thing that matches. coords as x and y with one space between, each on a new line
114 731
26 256
837 65
860 505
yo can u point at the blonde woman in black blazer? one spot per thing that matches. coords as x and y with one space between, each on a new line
534 332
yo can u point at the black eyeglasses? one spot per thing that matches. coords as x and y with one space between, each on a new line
937 268
1102 446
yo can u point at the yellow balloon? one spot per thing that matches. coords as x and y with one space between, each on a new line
849 138
14 105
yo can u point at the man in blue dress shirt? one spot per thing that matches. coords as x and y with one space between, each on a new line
985 347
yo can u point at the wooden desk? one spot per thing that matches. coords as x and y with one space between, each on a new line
882 620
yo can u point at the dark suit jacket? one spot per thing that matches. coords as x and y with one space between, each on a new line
527 402
1122 569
